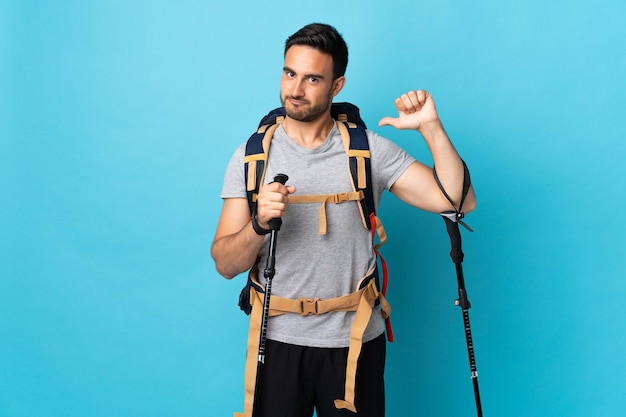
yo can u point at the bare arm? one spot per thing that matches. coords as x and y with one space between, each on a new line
417 186
236 244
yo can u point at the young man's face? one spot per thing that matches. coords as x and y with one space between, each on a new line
307 87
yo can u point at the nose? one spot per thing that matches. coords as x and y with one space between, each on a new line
297 87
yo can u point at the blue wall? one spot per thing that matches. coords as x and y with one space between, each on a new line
118 118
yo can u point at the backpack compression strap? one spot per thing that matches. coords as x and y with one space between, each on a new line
379 230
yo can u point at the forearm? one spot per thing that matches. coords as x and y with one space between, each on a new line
236 253
448 164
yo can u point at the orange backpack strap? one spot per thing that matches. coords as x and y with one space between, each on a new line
254 331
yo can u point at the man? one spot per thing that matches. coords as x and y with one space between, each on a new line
305 366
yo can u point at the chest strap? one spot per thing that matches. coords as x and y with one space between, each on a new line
361 301
326 199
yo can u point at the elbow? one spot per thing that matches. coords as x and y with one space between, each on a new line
223 269
470 202
225 273
468 208
220 266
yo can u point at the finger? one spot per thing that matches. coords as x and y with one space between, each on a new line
419 98
422 96
389 121
400 104
414 100
408 104
271 206
276 187
271 199
413 96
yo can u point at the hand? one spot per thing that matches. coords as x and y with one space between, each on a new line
272 202
416 110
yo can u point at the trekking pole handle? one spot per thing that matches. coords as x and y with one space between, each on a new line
452 226
277 222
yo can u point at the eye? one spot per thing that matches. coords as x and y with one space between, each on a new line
289 74
313 80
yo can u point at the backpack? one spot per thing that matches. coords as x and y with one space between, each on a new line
367 295
356 143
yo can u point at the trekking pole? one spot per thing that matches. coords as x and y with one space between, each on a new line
268 274
452 220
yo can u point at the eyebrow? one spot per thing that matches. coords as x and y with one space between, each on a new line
319 76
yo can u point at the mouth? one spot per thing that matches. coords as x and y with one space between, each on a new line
296 102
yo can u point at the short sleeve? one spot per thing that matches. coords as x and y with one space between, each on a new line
234 182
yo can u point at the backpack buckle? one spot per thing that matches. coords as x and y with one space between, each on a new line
349 196
308 306
340 198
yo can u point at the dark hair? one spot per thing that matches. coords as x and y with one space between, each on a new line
326 39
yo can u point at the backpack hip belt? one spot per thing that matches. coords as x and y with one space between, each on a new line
361 302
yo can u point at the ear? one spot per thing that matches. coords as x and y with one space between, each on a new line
338 85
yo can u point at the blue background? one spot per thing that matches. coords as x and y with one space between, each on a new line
118 119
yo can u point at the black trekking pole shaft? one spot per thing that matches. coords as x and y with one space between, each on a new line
268 274
456 253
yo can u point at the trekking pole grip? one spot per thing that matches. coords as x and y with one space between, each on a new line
277 222
452 226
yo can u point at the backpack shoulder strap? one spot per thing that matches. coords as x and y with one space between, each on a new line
257 148
356 144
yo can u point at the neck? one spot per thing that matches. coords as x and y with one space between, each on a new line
308 134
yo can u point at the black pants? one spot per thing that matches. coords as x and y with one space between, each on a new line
297 379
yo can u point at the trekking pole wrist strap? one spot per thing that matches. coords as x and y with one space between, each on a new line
257 228
467 182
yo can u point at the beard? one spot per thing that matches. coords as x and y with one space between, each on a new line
306 112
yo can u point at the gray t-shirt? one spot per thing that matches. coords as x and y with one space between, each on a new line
309 264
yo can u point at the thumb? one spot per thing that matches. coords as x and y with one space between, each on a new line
291 189
388 121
